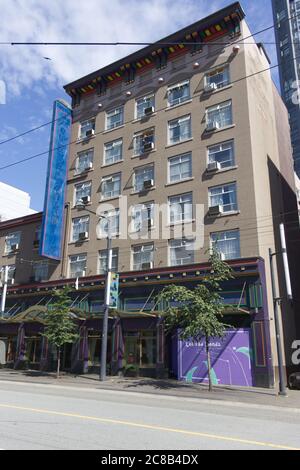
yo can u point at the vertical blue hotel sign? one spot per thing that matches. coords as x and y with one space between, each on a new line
53 216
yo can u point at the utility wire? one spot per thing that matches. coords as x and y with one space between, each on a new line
132 120
228 44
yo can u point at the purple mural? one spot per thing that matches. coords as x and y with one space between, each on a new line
231 357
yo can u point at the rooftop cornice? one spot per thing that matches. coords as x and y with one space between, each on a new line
208 29
25 220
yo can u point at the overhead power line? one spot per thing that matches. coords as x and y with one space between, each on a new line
241 41
132 120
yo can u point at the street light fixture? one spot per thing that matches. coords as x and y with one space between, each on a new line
103 365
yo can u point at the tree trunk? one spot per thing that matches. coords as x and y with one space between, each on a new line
58 363
209 364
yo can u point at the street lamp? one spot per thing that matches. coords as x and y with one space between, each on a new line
81 205
277 301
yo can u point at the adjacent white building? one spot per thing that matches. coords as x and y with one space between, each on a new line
14 203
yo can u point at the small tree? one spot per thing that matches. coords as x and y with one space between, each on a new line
199 310
60 328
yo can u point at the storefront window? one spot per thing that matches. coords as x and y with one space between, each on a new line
141 348
33 350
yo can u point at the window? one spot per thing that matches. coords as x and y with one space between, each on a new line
144 142
12 242
179 130
142 176
37 236
144 104
219 77
11 274
227 244
115 118
80 226
181 208
142 257
110 222
180 168
103 261
181 252
111 186
87 127
113 152
142 217
222 153
82 190
220 115
84 161
77 265
179 93
40 271
224 196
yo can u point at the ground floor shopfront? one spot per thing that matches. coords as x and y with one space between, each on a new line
138 344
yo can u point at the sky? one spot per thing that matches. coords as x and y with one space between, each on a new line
32 83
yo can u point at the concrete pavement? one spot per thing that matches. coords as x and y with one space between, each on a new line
172 388
47 416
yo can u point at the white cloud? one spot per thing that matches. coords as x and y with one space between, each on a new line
82 21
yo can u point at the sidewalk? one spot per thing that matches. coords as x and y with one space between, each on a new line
168 387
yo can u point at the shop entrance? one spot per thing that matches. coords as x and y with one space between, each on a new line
141 349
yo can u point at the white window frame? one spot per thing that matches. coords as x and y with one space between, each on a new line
103 222
116 177
185 206
224 239
182 242
148 101
215 72
11 273
178 101
140 169
103 256
140 223
219 107
143 248
88 188
222 192
109 146
89 156
17 241
140 138
188 154
84 222
91 125
180 120
222 148
81 258
111 113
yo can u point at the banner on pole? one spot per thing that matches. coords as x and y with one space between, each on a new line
114 291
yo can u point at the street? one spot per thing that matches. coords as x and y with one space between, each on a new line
49 417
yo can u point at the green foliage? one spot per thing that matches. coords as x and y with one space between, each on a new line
60 327
198 311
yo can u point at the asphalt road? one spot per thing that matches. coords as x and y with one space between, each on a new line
41 417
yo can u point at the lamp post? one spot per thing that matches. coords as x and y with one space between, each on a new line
277 301
103 360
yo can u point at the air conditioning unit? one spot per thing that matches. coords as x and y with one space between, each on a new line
83 236
88 167
12 281
147 266
210 87
212 167
215 210
222 256
79 274
212 126
148 146
89 133
14 247
148 184
149 111
85 200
